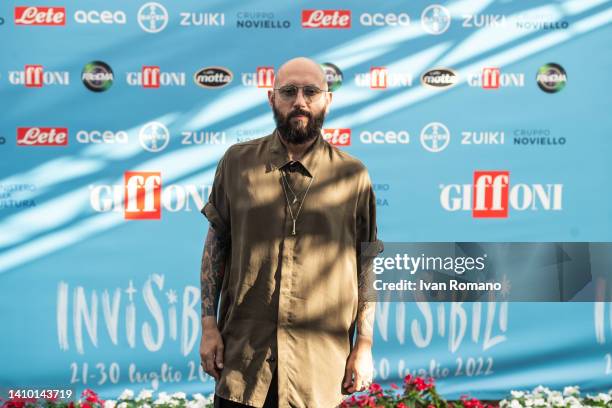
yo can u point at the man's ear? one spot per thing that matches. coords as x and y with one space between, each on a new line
329 96
271 98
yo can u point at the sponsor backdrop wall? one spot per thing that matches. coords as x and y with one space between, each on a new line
115 114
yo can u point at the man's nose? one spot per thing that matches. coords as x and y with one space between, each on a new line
300 101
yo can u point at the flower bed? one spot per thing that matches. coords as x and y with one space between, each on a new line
416 392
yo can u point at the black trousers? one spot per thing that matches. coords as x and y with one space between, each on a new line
271 397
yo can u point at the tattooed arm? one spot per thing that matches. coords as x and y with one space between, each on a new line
211 277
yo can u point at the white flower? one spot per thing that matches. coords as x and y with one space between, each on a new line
179 395
110 404
199 397
601 397
528 402
541 389
162 398
517 394
515 404
568 391
145 405
122 405
538 402
144 394
126 394
556 399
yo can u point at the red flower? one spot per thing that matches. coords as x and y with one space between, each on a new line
374 388
394 386
86 405
408 379
401 405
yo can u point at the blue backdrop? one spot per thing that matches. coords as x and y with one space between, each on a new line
100 284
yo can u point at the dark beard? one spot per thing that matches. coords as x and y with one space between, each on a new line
299 134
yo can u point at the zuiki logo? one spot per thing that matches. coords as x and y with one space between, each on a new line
42 136
260 20
263 77
333 75
202 19
326 18
152 17
337 137
381 78
435 137
551 78
435 19
381 20
213 77
493 78
141 197
491 196
40 16
97 76
100 17
151 76
34 76
439 78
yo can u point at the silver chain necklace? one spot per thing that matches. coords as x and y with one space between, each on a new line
294 219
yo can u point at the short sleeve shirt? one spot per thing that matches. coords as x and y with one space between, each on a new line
289 301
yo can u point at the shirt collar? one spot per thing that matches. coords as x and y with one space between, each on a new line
279 156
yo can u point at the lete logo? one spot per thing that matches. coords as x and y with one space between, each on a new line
326 18
42 16
44 136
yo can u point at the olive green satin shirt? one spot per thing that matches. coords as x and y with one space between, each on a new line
289 301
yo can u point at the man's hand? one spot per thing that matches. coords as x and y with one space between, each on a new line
359 368
211 350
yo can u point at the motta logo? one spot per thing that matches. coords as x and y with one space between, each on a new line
337 137
141 196
213 77
34 76
151 76
439 78
326 18
40 16
263 77
491 196
42 136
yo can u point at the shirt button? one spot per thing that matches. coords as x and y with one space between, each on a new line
270 359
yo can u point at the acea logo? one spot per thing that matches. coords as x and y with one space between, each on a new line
152 17
100 17
435 19
154 137
326 18
439 78
333 76
40 16
491 196
141 196
213 77
381 20
97 76
435 137
551 78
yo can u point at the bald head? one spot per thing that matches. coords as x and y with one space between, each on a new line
300 71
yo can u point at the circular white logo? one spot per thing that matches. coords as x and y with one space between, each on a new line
435 137
154 137
435 19
152 17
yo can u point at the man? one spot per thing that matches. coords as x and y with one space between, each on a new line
288 213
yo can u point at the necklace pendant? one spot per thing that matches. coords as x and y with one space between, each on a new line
294 200
293 232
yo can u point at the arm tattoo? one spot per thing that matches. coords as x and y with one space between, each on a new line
211 271
366 301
